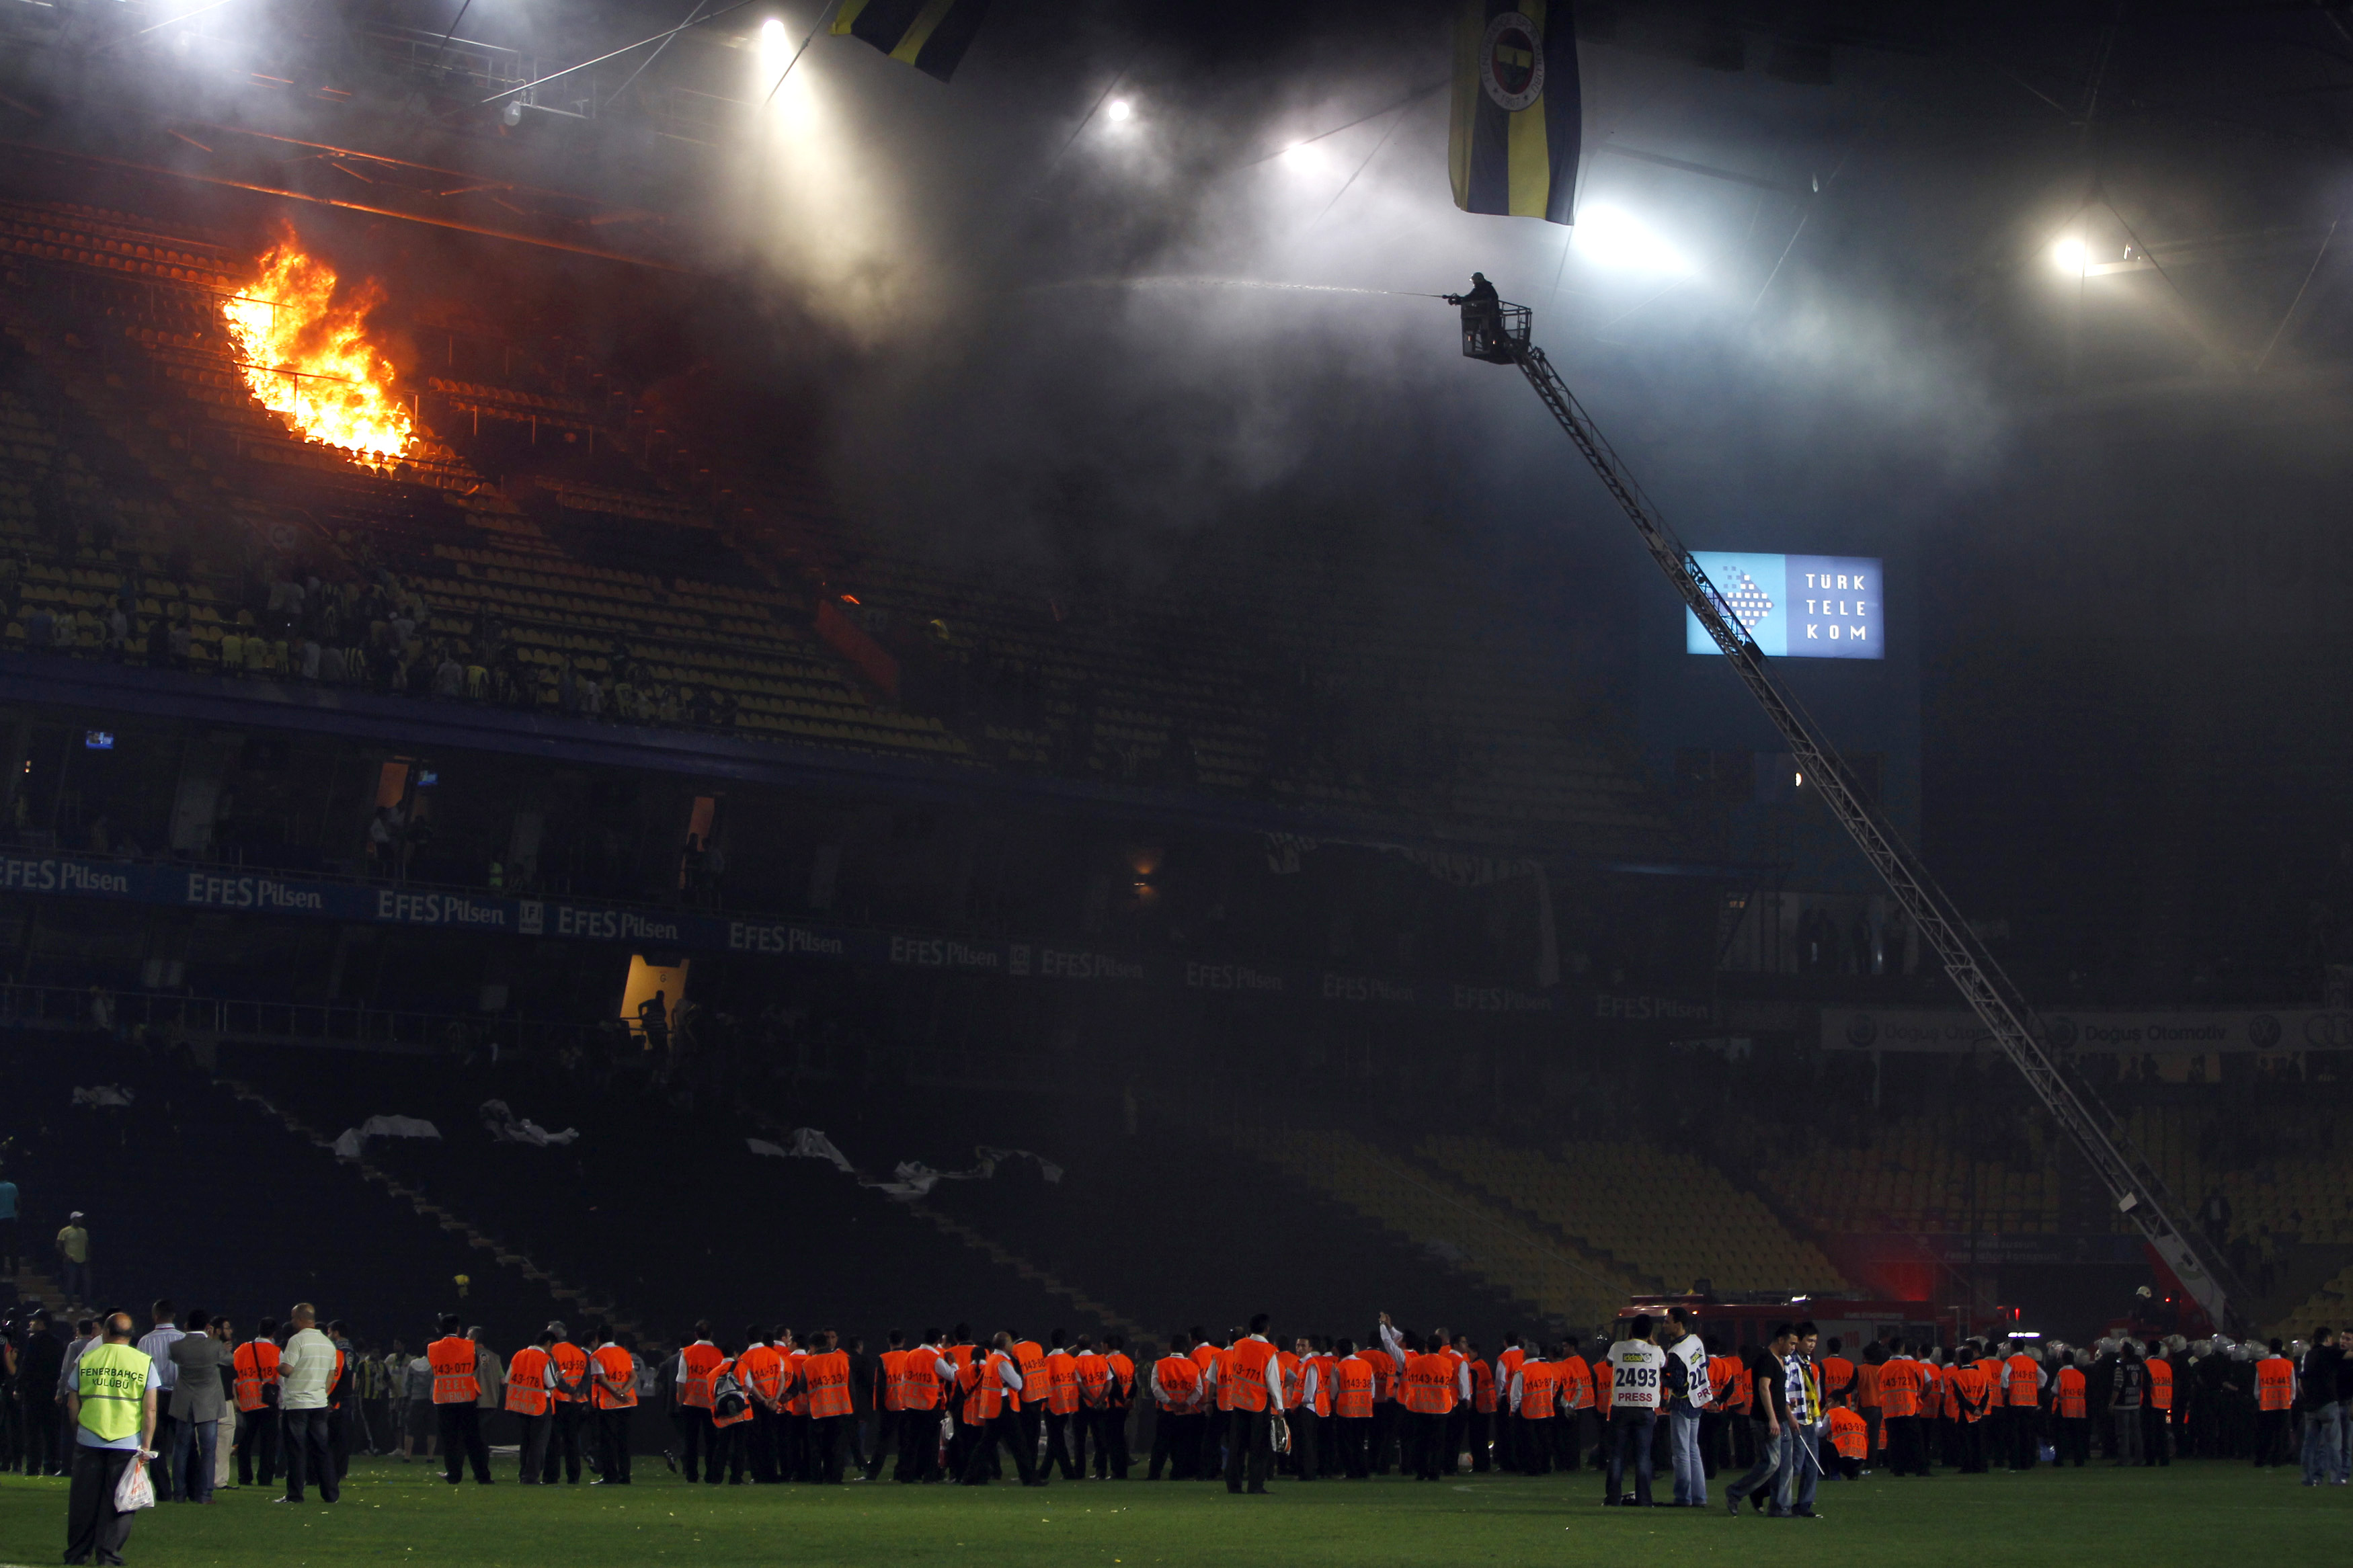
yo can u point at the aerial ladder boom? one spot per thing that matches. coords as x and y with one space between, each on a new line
1498 332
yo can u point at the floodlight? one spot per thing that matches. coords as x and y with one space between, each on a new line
2069 257
1119 108
1303 156
1615 240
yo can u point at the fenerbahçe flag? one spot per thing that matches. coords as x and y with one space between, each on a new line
929 35
1517 114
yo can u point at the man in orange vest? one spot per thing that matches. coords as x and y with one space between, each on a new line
569 1388
1580 1399
760 1371
2157 1410
255 1363
1119 1397
2071 1401
2021 1396
796 1457
613 1394
889 1378
531 1396
826 1373
1972 1399
457 1394
1431 1391
1535 1398
1901 1385
731 1422
993 1384
1176 1425
1507 1433
1027 1401
1477 1413
2274 1402
922 1374
693 1372
1250 1397
1061 1370
959 1353
1352 1409
1205 1353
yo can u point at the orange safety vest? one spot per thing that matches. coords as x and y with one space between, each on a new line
571 1367
894 1378
1180 1383
618 1364
726 1368
1124 1371
1385 1373
1722 1382
1093 1373
1539 1388
828 1375
2161 1383
699 1367
1204 1355
1061 1381
1242 1376
796 1402
1838 1372
1507 1363
2072 1406
919 1379
1482 1388
1575 1380
1866 1387
527 1375
760 1370
1287 1379
1602 1385
1975 1390
256 1363
1323 1362
1430 1384
1848 1433
1948 1391
1352 1389
1899 1389
1035 1384
453 1370
2025 1389
2275 1383
991 1395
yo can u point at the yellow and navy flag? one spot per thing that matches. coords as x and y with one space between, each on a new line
1517 109
929 35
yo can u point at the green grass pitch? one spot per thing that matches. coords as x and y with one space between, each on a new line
2209 1515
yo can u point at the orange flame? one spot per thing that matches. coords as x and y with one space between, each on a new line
308 358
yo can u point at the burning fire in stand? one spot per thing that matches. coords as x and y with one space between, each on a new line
308 357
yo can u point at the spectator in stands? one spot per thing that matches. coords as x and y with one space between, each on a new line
197 1356
448 676
113 1407
73 1261
304 1374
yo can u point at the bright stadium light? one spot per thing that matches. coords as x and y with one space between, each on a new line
1614 239
2069 257
1119 108
1302 157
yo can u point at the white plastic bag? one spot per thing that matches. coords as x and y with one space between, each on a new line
134 1491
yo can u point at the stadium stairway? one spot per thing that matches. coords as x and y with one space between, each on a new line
1664 1215
193 1194
1541 1275
660 1207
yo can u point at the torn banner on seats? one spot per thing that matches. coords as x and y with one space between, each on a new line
352 1140
505 1126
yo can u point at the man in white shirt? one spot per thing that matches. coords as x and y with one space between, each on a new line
1687 1394
157 1345
305 1372
1638 1376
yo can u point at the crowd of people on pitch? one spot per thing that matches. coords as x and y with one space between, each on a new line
772 1405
